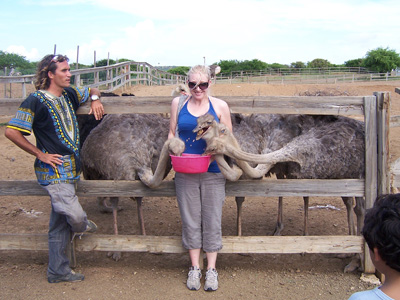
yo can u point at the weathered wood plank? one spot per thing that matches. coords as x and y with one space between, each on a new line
34 242
173 244
383 124
266 187
371 164
256 104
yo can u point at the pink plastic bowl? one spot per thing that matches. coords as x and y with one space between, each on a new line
190 163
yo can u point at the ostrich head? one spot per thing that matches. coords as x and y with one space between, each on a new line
207 128
181 89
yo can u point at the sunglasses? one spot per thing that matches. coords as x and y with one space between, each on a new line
203 86
58 58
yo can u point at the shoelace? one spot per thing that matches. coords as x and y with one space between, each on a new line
212 274
194 274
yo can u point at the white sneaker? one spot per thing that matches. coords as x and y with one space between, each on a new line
193 281
211 283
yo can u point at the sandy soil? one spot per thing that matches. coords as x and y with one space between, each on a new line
149 276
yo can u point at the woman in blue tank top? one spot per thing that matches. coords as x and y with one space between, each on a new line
200 196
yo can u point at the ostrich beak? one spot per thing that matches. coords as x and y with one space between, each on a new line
201 133
201 130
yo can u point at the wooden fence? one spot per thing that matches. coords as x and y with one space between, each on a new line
374 109
107 78
333 78
112 77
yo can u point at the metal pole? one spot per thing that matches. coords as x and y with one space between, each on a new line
5 84
55 49
77 57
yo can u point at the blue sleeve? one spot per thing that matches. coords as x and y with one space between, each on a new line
25 115
78 96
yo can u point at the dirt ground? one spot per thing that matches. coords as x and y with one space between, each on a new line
150 276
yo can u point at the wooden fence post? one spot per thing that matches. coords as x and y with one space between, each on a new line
371 164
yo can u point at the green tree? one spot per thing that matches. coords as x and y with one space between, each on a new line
179 70
252 65
298 65
278 66
13 60
382 60
228 66
319 63
103 62
354 63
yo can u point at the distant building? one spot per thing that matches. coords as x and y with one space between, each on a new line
395 72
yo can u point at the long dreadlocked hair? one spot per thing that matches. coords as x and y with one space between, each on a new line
48 63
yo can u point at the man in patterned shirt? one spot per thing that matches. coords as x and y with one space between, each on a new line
50 113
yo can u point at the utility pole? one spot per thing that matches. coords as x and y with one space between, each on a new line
77 57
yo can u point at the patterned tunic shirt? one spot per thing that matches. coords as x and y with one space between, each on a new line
53 121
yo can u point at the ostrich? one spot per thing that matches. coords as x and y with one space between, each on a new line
181 89
13 73
214 69
277 134
271 132
323 147
129 147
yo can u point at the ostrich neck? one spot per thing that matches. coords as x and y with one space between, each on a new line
250 171
154 180
230 173
269 158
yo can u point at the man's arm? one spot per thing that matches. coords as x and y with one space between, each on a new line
96 107
18 139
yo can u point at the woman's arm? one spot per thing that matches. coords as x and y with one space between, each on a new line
223 111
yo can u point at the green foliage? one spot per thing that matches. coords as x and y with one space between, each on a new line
13 60
354 63
103 62
80 66
382 60
298 65
319 63
179 70
228 66
278 66
379 60
254 64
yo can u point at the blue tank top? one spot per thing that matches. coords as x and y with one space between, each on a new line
186 123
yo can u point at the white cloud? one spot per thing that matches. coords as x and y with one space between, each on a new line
86 51
179 32
31 55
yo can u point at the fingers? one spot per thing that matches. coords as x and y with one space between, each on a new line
51 159
97 109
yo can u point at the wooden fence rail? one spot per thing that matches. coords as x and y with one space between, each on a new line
373 108
108 78
112 77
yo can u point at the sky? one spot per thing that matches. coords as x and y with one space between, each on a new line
187 33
